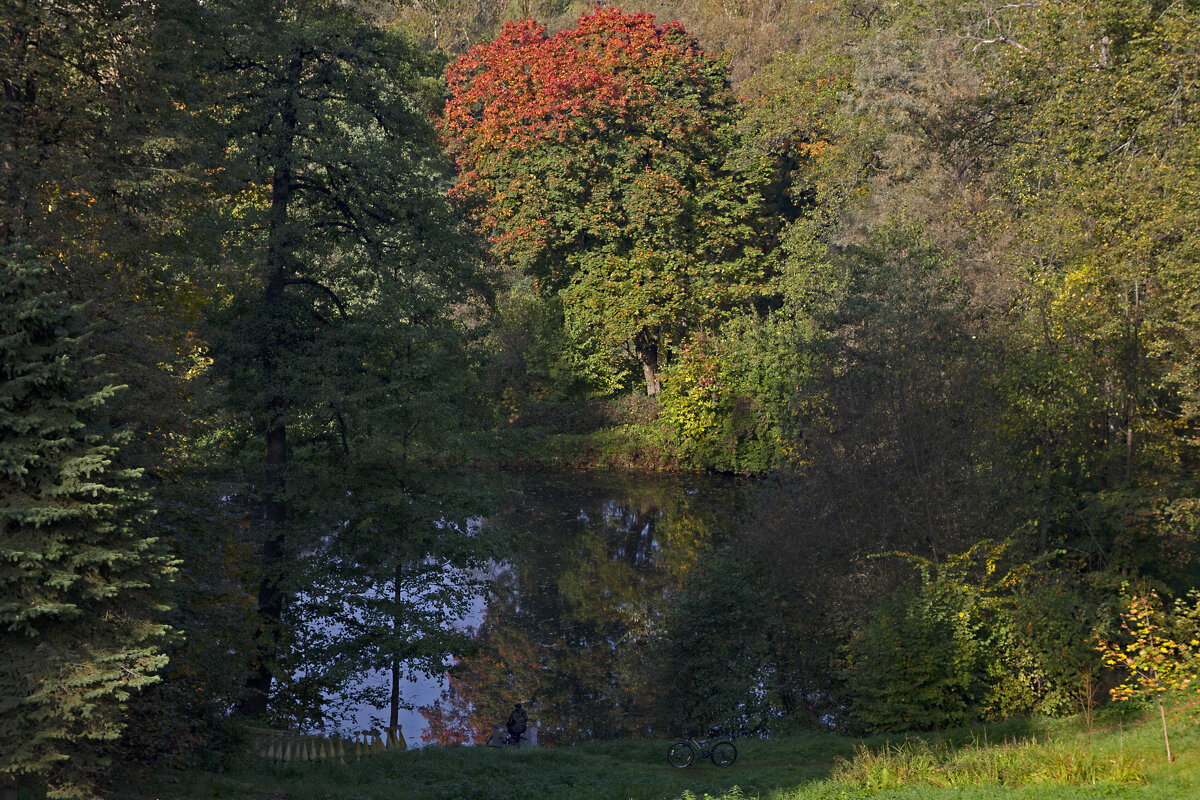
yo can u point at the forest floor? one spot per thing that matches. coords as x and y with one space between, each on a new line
1122 756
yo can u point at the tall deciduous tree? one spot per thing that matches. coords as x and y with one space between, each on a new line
1095 192
596 161
339 220
63 64
80 580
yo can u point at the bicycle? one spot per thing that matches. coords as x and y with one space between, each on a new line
506 740
719 750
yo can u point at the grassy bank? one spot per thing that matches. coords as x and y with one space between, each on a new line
1030 759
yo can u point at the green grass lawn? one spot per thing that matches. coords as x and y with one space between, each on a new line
1026 759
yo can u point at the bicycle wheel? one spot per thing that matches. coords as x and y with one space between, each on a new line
680 755
724 754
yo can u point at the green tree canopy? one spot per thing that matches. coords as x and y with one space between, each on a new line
341 331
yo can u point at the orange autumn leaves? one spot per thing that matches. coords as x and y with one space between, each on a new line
525 87
554 136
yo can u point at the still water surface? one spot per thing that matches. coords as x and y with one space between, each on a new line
571 618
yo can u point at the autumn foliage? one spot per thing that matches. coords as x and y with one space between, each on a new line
618 93
1157 651
595 160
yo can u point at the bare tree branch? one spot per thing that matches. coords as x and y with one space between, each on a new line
996 40
310 282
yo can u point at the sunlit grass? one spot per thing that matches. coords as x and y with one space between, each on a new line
1016 763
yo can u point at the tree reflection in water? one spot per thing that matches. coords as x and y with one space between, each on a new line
574 625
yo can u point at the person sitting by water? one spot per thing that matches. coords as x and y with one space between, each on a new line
516 724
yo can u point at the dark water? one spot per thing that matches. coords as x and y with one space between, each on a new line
574 620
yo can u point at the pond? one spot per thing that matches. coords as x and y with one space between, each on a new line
572 624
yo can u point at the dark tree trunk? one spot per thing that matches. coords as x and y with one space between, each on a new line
647 353
395 698
270 594
271 597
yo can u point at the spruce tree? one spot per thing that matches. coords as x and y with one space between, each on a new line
79 578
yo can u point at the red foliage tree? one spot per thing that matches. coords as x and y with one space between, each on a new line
596 162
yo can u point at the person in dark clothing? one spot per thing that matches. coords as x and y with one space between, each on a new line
516 724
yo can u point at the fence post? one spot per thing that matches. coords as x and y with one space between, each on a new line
395 738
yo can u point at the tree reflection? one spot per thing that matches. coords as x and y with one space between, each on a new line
575 622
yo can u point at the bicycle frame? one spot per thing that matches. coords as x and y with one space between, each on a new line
719 749
507 740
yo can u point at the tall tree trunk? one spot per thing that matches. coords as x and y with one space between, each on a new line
1132 373
270 593
395 698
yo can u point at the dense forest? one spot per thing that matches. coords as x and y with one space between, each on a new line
290 286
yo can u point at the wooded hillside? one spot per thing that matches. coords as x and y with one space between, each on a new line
287 286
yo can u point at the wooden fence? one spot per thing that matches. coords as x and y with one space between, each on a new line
292 746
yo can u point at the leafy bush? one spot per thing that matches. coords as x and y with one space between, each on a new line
917 665
727 401
719 649
971 640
